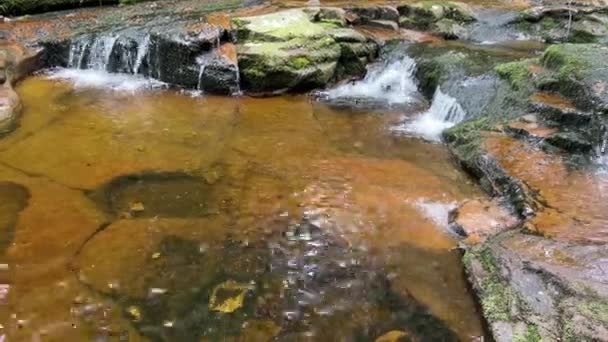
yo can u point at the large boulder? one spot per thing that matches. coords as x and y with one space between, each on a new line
290 50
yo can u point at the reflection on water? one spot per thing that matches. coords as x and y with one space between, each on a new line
165 217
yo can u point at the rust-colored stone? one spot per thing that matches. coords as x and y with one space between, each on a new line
479 219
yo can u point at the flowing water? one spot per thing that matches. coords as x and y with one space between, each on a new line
139 213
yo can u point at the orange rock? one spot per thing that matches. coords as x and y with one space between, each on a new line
479 219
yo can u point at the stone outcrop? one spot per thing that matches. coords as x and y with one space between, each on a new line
532 288
15 63
294 49
444 18
543 281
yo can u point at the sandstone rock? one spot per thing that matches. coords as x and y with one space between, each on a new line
479 219
10 109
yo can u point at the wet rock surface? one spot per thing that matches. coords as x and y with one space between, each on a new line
289 50
535 288
477 220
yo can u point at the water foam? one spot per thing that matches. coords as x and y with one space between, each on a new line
444 113
102 79
392 83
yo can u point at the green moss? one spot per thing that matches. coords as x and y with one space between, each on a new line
496 297
549 23
595 310
299 63
530 335
567 65
517 73
465 138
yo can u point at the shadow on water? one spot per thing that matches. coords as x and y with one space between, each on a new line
13 199
303 281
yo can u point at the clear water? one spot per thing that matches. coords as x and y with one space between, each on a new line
153 215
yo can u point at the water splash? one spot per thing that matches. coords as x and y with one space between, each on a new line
101 50
435 211
392 83
103 79
444 113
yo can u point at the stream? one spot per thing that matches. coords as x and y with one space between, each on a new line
189 218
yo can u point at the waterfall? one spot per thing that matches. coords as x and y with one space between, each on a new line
444 113
199 86
115 53
100 53
142 53
391 83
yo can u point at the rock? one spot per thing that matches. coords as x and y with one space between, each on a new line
286 50
220 71
330 15
228 296
449 29
571 142
383 24
477 220
423 15
370 13
533 288
577 72
10 109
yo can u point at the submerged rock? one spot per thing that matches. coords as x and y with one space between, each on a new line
288 50
13 199
155 195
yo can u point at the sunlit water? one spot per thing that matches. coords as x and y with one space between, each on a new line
158 216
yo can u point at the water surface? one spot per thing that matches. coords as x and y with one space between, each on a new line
149 214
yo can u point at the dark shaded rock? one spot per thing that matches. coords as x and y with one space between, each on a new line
533 287
571 142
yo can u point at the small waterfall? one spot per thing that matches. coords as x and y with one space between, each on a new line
444 113
101 50
391 83
142 53
199 86
115 53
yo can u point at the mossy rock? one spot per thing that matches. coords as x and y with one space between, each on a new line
423 14
529 296
288 50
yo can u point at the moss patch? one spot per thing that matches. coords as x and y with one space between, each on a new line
529 335
566 63
517 73
595 310
496 296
